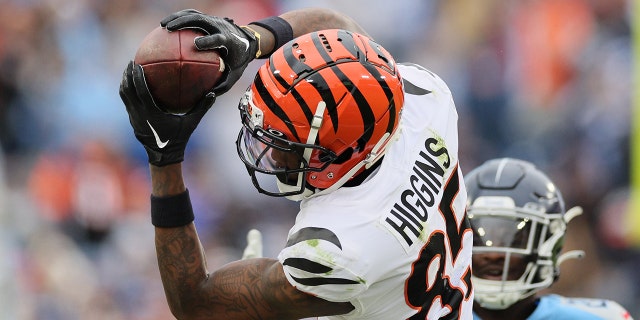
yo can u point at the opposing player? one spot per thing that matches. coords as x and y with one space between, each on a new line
519 221
368 146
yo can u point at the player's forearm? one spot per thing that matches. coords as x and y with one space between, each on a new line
182 267
167 180
303 21
180 256
307 20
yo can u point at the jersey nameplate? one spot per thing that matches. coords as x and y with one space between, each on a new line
408 216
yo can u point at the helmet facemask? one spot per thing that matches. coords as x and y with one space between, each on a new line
518 248
268 152
519 223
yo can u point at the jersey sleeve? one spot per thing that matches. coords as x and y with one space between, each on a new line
314 262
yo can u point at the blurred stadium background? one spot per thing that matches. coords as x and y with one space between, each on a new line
550 81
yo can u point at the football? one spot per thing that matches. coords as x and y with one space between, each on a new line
178 75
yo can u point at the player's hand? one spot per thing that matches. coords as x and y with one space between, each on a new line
236 45
163 135
254 245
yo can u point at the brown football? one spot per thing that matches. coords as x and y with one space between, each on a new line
177 74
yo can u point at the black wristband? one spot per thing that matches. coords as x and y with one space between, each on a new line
172 211
280 28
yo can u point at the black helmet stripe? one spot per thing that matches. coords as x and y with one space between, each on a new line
365 109
321 85
349 44
277 75
297 66
388 59
387 92
273 106
321 47
361 102
303 105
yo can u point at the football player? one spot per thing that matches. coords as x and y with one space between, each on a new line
367 145
519 222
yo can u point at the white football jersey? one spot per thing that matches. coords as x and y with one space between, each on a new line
398 246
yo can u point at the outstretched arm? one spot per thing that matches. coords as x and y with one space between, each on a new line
247 289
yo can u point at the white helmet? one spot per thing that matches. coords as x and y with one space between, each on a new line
516 212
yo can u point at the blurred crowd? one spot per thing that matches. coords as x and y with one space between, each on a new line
548 81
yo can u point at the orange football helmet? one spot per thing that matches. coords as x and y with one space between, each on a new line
320 110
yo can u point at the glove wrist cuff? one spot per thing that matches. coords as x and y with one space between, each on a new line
161 159
280 28
255 35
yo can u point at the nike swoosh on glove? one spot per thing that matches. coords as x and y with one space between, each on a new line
236 46
163 135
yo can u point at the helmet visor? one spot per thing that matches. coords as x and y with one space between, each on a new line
256 152
501 231
266 154
501 249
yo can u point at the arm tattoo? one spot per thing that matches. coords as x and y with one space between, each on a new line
247 289
181 262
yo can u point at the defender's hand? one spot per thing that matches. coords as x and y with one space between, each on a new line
254 245
163 135
237 46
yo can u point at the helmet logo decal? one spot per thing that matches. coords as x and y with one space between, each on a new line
276 133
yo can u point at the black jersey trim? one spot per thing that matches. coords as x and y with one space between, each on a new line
322 281
314 233
306 265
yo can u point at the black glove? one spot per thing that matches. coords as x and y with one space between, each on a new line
163 135
236 45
